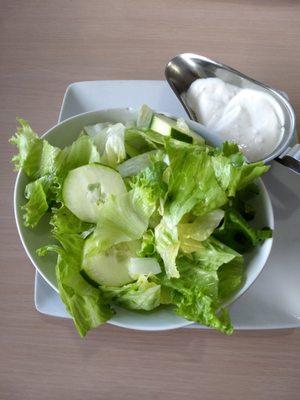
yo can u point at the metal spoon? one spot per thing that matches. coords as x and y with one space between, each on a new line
183 69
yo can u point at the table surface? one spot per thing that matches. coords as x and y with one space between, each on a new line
44 46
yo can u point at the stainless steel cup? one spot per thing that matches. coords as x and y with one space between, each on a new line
183 69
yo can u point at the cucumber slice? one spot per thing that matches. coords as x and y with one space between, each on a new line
110 267
143 266
168 127
144 117
86 188
177 129
183 127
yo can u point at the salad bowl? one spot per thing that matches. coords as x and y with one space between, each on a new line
163 318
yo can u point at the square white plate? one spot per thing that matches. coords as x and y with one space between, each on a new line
273 301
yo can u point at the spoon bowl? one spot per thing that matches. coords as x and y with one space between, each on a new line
182 70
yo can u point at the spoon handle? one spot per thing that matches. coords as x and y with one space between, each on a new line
291 158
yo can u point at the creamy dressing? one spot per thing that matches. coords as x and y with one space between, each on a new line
248 117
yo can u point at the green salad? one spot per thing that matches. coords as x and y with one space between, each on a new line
142 216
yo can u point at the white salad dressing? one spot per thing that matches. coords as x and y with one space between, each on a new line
248 117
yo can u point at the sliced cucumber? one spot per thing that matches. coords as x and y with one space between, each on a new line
144 117
143 266
183 127
86 188
108 268
168 127
177 129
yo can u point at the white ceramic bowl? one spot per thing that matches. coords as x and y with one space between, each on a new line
64 134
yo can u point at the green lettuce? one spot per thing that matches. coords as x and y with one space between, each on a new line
126 217
123 218
167 245
136 164
147 248
81 152
152 178
84 303
137 142
47 166
98 132
212 253
192 182
242 202
207 277
36 157
238 234
109 140
195 296
231 278
140 295
39 196
232 171
202 227
187 207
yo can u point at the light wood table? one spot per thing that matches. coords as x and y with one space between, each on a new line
45 45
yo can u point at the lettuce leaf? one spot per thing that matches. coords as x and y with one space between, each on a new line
147 248
207 278
242 201
232 171
202 227
192 182
136 164
47 166
140 295
195 296
231 278
98 133
137 142
38 195
167 245
114 152
81 152
152 178
109 140
236 232
125 217
213 254
36 157
85 304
